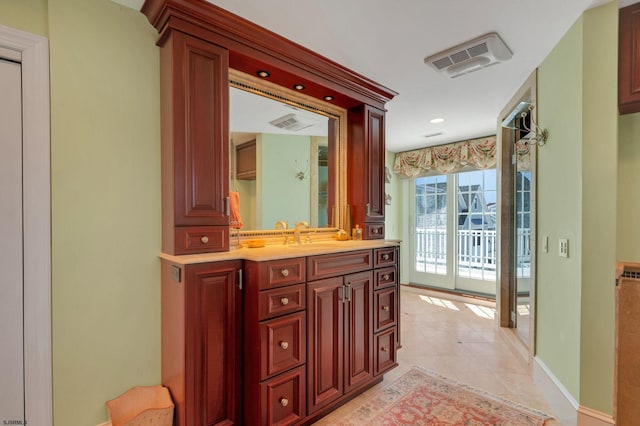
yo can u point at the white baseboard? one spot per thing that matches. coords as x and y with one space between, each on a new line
590 417
562 402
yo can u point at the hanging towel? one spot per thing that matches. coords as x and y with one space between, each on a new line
234 201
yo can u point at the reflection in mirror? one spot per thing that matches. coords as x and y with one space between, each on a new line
284 159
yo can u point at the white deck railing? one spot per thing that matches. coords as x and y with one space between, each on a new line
476 251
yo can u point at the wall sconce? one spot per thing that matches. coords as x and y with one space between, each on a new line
300 174
540 136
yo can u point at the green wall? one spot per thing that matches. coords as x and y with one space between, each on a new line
105 184
283 196
628 188
577 178
599 181
29 15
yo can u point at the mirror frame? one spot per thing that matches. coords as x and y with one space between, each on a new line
261 87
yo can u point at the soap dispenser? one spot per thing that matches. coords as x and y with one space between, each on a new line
356 233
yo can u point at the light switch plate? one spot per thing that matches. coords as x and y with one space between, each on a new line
563 247
545 244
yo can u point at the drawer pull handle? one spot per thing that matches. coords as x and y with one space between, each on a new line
374 230
383 349
385 256
284 402
284 345
385 277
204 239
285 272
284 301
385 308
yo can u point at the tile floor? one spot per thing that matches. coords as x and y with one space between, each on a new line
460 339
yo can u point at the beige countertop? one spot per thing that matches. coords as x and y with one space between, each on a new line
274 252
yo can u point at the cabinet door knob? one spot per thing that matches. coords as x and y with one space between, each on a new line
385 277
284 402
383 349
385 256
385 308
284 301
285 272
374 230
284 345
204 239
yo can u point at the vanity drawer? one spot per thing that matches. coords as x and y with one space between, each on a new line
278 273
373 231
201 239
384 357
385 314
282 300
385 277
283 344
282 398
329 265
385 257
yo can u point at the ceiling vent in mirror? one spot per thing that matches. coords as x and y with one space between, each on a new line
471 56
292 122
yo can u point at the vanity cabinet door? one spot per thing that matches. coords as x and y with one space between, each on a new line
366 162
213 343
358 329
325 334
195 148
201 314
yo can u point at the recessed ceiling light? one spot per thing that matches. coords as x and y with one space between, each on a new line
263 73
436 120
299 86
328 98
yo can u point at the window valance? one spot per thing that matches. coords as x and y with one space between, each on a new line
451 158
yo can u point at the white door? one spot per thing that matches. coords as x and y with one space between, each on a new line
12 407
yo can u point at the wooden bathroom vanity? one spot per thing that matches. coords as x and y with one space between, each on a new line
277 335
274 335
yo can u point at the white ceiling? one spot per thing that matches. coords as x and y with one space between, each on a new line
387 42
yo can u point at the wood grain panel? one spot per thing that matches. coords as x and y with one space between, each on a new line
358 330
325 344
328 265
283 344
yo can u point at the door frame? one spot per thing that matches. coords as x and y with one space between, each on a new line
34 53
504 169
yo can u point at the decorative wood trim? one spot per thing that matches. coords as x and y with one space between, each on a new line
251 46
590 417
34 50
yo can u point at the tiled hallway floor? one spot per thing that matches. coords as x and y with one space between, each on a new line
459 339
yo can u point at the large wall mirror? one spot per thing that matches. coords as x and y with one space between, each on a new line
287 154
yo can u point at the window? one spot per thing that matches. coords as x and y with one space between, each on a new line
431 225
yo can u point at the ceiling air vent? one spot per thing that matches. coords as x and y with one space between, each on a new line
293 122
473 55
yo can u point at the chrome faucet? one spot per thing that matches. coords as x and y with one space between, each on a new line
296 231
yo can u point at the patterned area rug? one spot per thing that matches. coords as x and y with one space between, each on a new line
421 397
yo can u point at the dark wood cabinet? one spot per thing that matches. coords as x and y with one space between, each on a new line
358 328
340 337
629 59
366 161
195 145
246 161
325 302
275 341
340 327
201 341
